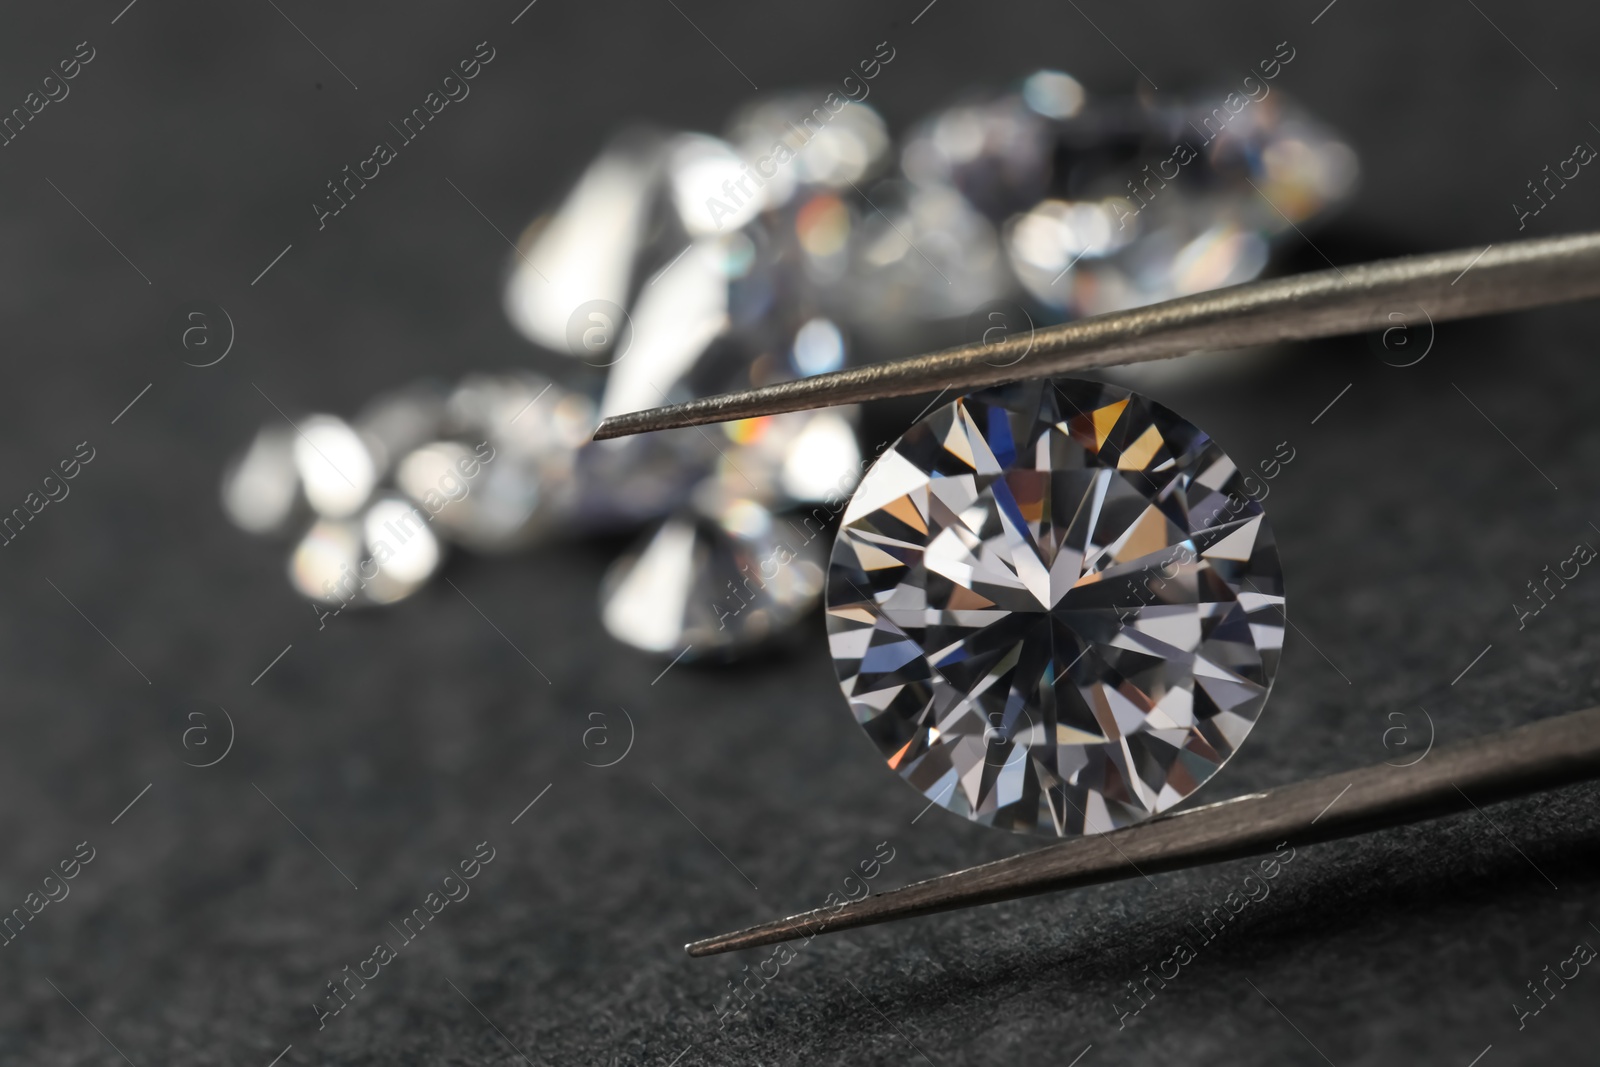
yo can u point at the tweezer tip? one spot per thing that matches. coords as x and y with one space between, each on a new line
707 946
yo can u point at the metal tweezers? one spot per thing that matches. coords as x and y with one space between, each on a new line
1450 285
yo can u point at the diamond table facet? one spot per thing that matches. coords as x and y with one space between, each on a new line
1054 608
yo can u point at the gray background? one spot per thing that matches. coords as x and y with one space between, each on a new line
201 933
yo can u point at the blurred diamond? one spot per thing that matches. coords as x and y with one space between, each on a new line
523 432
473 502
261 488
1116 204
818 348
682 265
732 311
797 457
589 248
1053 607
1053 94
922 252
395 422
380 558
720 577
824 224
703 172
795 141
402 550
323 565
337 468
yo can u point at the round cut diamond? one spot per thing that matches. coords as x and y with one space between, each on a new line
1054 607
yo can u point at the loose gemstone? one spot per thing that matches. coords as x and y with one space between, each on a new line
1108 204
380 557
337 468
1054 608
261 487
720 577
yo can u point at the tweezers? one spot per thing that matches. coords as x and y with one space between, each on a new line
1410 292
1528 759
1485 770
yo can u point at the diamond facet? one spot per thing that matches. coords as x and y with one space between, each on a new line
1054 608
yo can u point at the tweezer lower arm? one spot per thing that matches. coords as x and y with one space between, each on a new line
1528 759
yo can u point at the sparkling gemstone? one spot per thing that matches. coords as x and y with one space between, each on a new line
1053 607
719 577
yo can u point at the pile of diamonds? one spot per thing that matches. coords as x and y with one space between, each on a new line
683 265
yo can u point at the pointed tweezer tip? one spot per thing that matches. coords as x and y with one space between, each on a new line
768 933
716 946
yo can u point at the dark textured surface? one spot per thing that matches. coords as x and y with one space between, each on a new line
206 925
